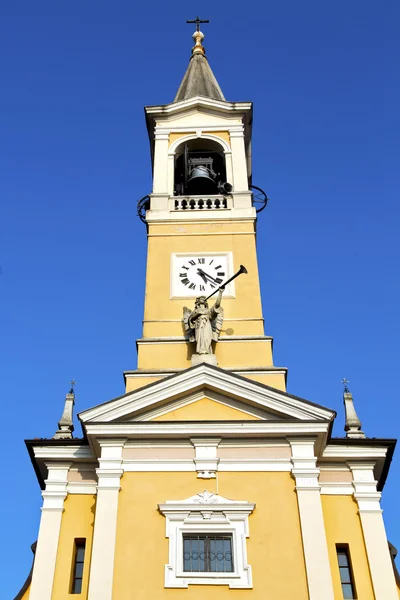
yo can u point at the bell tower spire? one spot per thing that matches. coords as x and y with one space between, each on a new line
199 80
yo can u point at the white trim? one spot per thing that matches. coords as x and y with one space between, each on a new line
221 106
175 339
334 488
78 452
227 465
81 487
207 513
255 465
189 429
354 452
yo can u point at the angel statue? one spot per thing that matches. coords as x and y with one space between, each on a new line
203 324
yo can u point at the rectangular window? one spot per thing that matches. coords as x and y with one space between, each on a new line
79 558
207 553
346 575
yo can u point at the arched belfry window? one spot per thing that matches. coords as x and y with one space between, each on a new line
199 168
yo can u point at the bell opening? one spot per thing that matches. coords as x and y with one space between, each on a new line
199 168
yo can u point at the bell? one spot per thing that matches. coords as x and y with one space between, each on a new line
201 181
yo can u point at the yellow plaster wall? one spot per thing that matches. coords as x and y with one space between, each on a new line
230 327
167 355
159 305
77 522
208 410
134 383
174 136
274 547
342 525
275 380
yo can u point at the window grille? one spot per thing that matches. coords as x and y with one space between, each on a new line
207 553
346 575
79 558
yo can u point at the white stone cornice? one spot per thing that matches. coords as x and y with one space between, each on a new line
68 453
185 430
354 452
198 101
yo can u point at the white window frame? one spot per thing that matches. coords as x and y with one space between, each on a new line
207 513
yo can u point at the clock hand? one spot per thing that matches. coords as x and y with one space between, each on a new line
201 272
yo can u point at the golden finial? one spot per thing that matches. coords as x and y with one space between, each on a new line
198 36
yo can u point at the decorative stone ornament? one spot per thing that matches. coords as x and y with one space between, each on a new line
353 423
65 424
203 326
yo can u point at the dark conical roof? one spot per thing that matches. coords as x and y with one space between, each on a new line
199 80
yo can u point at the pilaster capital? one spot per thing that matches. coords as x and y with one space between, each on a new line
236 131
110 468
304 464
364 484
55 491
161 134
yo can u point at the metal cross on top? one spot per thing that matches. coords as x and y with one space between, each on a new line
198 21
72 383
345 382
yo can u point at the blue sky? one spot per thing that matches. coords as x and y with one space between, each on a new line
74 159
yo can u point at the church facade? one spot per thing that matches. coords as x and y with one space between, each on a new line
207 478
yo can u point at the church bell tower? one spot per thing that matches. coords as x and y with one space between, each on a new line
201 224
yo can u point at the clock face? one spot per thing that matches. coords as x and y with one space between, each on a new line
200 274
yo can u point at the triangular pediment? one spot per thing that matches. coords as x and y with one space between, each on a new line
213 407
205 393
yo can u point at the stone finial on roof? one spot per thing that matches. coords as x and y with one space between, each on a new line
353 424
65 424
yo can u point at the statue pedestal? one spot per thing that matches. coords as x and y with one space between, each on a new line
210 359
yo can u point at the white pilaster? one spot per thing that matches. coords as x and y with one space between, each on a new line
160 175
369 508
315 547
105 524
49 531
239 164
